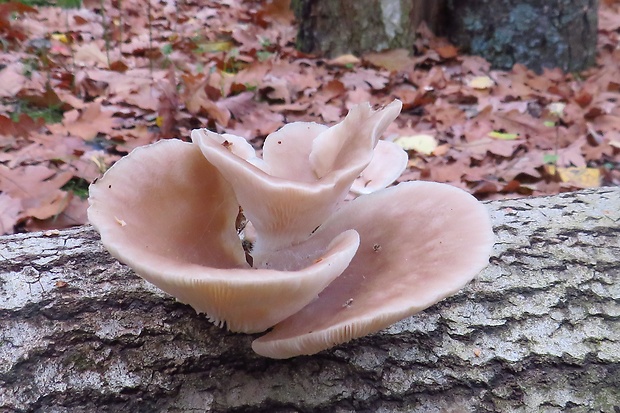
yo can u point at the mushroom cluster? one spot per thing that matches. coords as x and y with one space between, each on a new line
322 269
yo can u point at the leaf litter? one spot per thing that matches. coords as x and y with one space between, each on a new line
80 88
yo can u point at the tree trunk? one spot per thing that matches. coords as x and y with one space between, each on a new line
354 26
536 33
537 331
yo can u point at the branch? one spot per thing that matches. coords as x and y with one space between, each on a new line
538 330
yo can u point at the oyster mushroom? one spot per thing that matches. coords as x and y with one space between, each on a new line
165 211
324 270
308 170
420 242
387 164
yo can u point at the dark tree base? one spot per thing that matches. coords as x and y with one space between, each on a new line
536 33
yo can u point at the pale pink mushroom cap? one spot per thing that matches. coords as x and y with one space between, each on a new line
420 242
388 162
327 271
307 171
165 211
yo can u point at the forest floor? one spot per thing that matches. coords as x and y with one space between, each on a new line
79 88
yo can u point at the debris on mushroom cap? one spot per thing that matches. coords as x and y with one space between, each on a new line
286 209
179 234
433 240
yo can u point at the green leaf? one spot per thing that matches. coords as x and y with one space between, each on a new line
550 158
69 4
503 135
166 49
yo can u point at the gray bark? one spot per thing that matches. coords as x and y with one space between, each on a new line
535 33
537 331
355 26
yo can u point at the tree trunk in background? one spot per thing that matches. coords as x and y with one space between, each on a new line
536 331
536 33
354 26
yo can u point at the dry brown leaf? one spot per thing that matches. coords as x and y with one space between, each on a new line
88 123
50 206
344 60
12 80
10 209
73 214
90 53
393 60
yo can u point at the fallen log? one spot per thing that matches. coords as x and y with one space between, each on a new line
537 330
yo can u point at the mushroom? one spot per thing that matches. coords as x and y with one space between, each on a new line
325 270
387 164
420 242
308 170
178 233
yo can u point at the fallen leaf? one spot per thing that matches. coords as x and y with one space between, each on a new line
90 53
9 213
582 177
87 123
424 144
503 135
61 37
12 80
50 206
393 60
447 51
278 11
481 82
557 108
344 60
218 46
74 214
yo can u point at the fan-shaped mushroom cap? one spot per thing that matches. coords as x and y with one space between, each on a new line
420 242
165 211
388 161
286 152
286 207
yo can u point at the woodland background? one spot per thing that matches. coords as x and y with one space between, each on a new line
83 84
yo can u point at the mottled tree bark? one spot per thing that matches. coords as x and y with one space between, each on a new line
355 26
536 33
537 331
